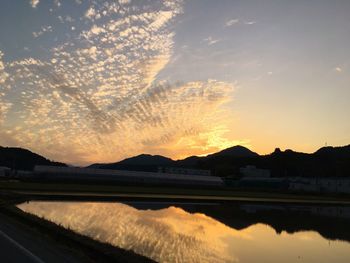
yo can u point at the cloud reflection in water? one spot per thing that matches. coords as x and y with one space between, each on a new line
166 235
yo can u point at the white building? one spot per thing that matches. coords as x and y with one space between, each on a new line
327 185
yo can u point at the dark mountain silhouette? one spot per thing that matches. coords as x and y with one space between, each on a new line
232 152
235 151
142 162
327 161
334 152
147 159
146 162
223 163
22 159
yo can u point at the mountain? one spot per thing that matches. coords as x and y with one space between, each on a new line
327 161
235 151
142 162
147 162
22 159
147 159
227 161
338 152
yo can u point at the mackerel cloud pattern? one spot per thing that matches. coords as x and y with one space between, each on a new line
95 94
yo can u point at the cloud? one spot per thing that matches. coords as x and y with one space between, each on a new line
251 22
211 41
3 74
338 69
57 3
97 97
43 30
231 22
34 3
90 13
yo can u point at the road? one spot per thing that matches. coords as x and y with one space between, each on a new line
18 243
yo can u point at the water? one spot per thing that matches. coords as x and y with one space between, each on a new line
210 232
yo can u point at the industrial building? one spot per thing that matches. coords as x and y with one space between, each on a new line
89 174
325 185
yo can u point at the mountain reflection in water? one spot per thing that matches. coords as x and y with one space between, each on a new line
173 235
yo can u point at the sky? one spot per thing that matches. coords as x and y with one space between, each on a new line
99 81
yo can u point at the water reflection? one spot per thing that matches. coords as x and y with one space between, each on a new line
174 235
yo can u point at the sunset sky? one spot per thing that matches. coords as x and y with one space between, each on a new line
99 81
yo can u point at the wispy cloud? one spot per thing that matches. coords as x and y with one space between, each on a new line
211 41
338 69
43 30
231 22
250 22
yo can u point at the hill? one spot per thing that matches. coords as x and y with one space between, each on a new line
326 162
150 163
22 159
142 162
235 151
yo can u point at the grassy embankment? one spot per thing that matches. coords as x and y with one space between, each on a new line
163 192
87 249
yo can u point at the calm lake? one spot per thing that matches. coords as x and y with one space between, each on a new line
209 232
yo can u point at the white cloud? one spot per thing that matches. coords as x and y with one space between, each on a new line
57 3
231 22
90 13
34 3
338 69
124 2
43 30
211 41
252 22
97 30
3 74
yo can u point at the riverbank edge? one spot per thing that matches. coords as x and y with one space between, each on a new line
86 248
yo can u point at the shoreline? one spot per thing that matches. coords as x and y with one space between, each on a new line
86 248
